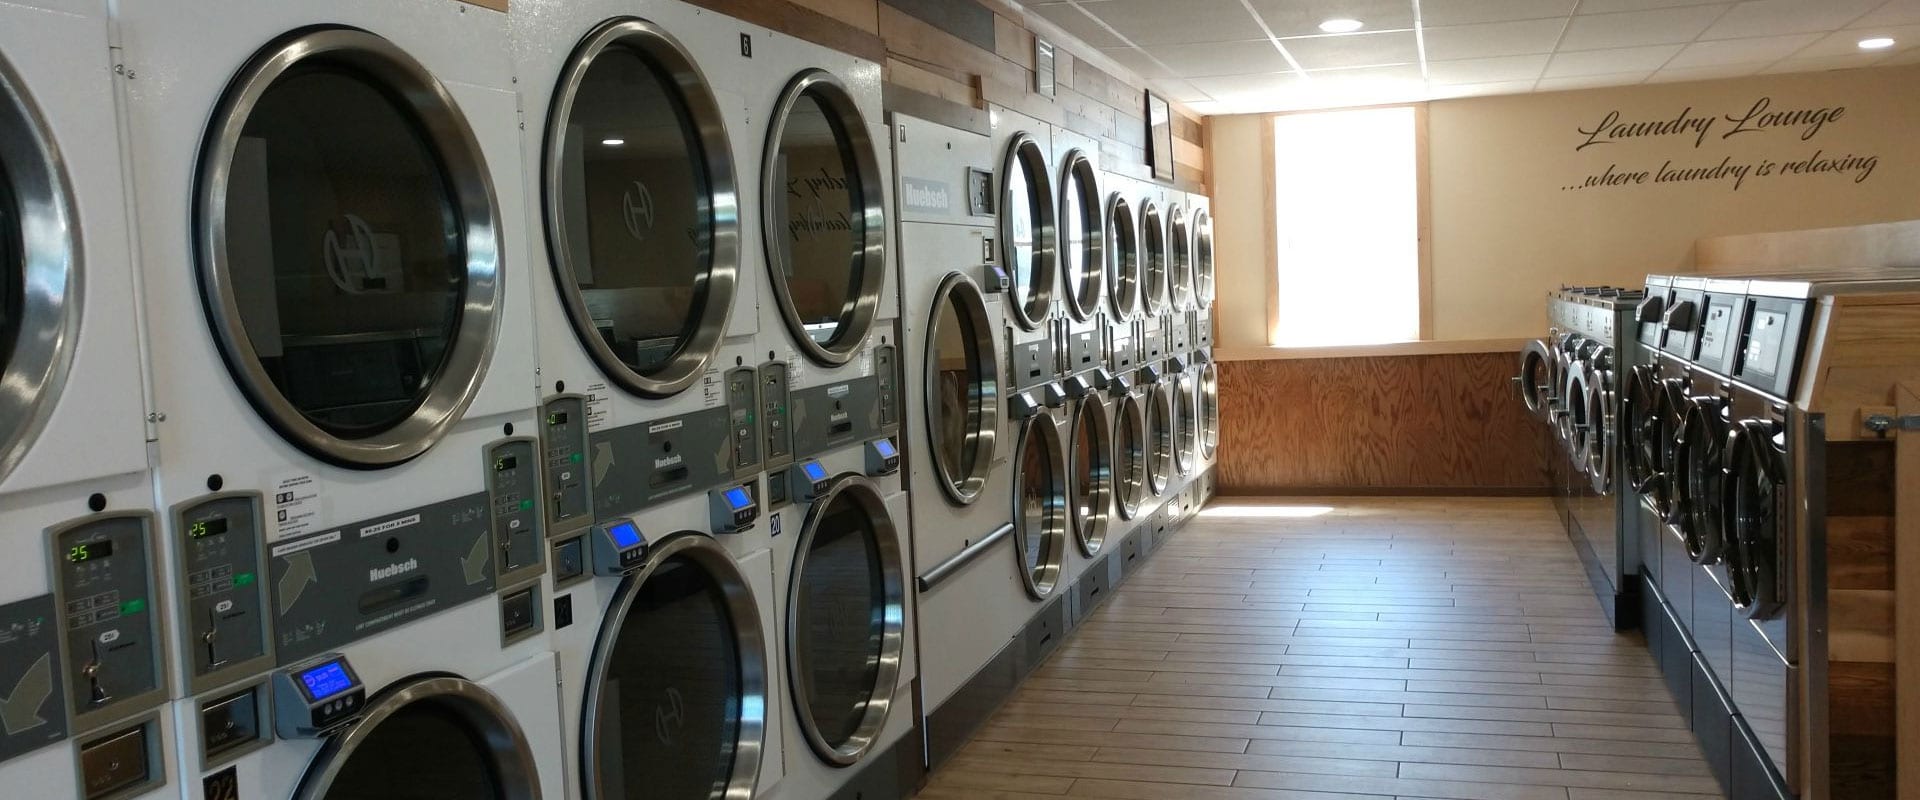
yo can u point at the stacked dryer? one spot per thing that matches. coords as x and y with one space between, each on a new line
83 662
330 217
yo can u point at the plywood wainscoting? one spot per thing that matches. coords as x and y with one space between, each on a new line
1446 423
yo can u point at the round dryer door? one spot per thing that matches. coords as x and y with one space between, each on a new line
1535 380
348 246
1040 506
1160 435
1643 430
1091 457
642 218
1123 258
1082 235
1203 257
963 393
824 218
1603 437
433 737
676 693
1130 456
37 250
1026 230
1753 515
1209 411
1185 425
1571 420
1180 241
1698 468
1153 235
845 612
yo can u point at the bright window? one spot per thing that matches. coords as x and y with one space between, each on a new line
1347 202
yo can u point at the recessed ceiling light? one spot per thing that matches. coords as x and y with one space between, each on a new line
1341 25
613 142
1876 43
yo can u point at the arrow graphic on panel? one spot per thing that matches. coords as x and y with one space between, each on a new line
21 710
294 582
602 461
474 563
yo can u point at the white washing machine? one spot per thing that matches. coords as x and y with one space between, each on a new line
645 152
346 446
83 664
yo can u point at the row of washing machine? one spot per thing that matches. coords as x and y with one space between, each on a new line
418 400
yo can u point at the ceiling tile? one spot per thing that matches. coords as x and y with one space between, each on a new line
1226 88
1824 63
1716 72
1777 17
1355 50
1897 12
1486 70
1495 39
1847 43
1590 81
1481 89
1303 17
1182 91
1907 57
1636 28
1138 61
1605 62
1073 21
1741 51
1220 58
1184 22
1611 6
1467 12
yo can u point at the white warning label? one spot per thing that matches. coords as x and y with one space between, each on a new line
299 506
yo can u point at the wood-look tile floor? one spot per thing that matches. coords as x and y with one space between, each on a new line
1383 648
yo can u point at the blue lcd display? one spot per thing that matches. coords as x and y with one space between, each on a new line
326 680
624 534
885 446
737 497
815 471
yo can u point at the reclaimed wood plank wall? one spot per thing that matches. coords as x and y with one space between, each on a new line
970 53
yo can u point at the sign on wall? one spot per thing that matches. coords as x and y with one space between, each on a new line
1718 147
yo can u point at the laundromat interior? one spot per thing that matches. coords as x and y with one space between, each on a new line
959 399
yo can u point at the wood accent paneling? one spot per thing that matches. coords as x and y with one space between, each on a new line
1433 422
1891 244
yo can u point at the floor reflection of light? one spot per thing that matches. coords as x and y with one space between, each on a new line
1266 512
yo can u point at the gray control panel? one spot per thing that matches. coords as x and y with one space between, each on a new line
1031 362
1202 330
563 440
635 466
1153 345
886 370
775 419
835 415
30 677
733 508
1083 351
513 488
316 697
105 584
223 619
1181 327
743 420
1125 353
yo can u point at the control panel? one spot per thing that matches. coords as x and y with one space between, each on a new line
1153 344
317 696
809 479
886 370
734 508
1682 323
743 420
223 616
1030 362
883 458
1769 347
105 587
776 422
563 442
1718 332
1179 327
1083 350
618 547
1125 354
513 483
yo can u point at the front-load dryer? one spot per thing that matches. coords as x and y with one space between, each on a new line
84 666
1029 252
329 221
966 582
647 163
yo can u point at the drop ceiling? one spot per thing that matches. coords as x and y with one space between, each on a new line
1246 56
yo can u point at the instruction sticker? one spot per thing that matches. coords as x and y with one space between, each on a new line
598 402
299 506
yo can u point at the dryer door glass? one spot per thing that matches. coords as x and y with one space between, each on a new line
1123 258
1754 515
1081 235
1180 241
39 271
665 710
1040 506
824 225
1203 256
348 247
1187 434
430 738
1160 444
640 208
1026 228
845 626
13 270
962 396
1091 455
1209 411
1130 456
1154 235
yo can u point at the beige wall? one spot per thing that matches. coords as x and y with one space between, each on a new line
1512 218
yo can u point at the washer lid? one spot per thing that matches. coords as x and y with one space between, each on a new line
433 737
676 692
824 218
642 219
348 247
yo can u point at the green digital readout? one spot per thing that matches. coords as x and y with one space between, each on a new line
90 551
207 527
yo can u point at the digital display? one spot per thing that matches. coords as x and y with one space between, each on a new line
815 471
885 446
557 418
207 527
91 551
737 497
1714 334
506 463
326 680
624 534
